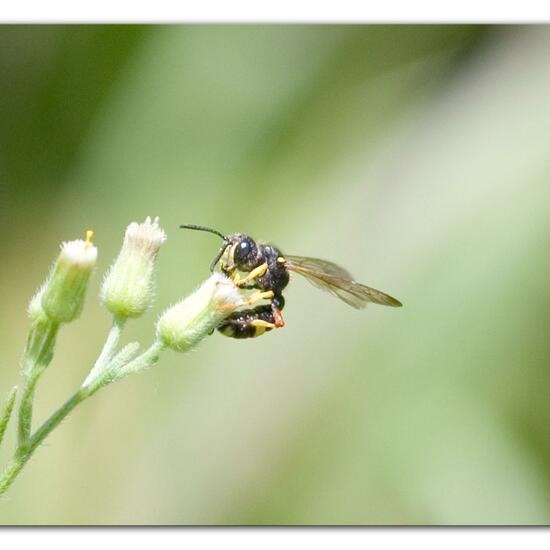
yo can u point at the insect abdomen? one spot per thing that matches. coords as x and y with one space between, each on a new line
248 323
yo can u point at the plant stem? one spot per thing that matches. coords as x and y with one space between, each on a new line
108 349
55 419
25 410
23 453
6 413
25 450
147 359
38 355
10 472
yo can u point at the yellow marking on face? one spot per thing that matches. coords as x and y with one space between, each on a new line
281 260
226 259
232 253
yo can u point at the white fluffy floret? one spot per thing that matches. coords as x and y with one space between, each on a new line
145 237
78 253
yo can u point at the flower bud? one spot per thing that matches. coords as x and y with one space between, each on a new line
35 310
185 324
128 288
62 296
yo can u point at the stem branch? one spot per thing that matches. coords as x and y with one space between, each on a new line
108 349
24 452
25 449
38 354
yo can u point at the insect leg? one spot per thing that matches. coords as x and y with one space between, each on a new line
277 304
262 323
257 296
278 318
254 274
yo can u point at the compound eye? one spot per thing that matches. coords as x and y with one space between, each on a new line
243 250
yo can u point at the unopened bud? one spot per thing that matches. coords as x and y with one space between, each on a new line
185 324
35 310
128 289
62 297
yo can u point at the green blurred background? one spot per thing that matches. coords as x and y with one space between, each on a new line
416 156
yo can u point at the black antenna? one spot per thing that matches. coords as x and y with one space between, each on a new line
202 228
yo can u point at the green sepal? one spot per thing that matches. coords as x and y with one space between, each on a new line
40 346
63 296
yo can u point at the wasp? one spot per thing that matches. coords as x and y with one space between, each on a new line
267 271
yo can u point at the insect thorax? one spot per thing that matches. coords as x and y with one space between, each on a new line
276 278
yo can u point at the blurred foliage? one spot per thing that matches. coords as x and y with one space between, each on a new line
417 156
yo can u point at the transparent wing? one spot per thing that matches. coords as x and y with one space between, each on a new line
339 282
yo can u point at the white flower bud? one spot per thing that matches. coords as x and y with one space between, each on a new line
128 288
62 297
185 324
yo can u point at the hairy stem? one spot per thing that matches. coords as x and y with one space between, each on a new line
38 354
27 448
108 349
11 471
25 410
55 419
23 453
147 359
6 413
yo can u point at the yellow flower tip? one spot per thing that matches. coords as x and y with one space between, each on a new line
89 236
